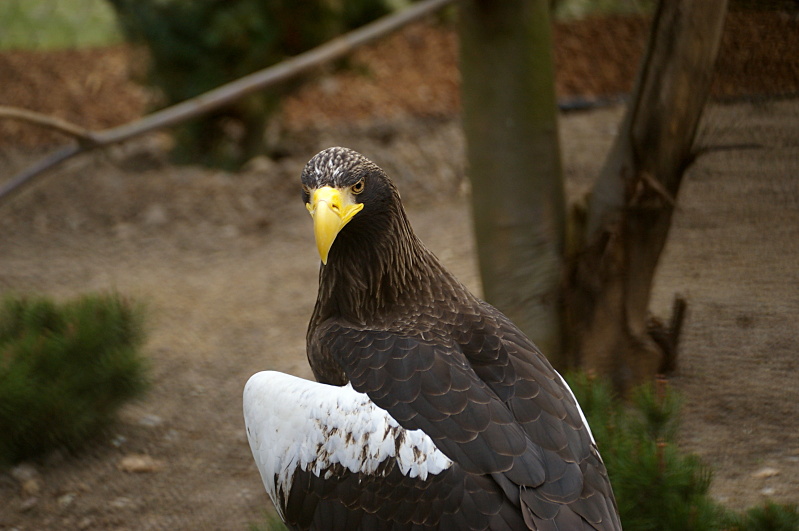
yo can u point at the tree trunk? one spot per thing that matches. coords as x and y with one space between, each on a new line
510 123
609 282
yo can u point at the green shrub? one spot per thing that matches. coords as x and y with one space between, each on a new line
767 517
657 486
195 46
65 370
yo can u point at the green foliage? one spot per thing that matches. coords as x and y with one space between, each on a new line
65 370
195 46
45 24
657 486
768 517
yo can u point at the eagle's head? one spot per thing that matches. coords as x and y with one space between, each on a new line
342 188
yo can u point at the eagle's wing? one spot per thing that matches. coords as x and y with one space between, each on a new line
330 459
496 427
542 403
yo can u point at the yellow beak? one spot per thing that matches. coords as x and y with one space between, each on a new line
330 209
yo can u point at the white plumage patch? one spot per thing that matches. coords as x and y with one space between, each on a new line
294 423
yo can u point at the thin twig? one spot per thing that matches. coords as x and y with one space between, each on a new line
81 134
214 99
50 161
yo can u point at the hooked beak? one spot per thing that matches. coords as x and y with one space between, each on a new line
331 209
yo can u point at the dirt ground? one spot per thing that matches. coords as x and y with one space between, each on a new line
227 268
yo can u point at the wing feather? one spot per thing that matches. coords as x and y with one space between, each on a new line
331 459
488 399
481 447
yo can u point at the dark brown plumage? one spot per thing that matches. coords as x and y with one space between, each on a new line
393 322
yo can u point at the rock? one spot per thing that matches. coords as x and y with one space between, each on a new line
65 500
28 478
139 464
31 487
765 472
150 421
28 503
24 471
122 502
259 164
156 215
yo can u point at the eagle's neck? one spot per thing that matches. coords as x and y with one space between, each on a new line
376 269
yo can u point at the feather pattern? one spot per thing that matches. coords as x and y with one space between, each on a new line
329 458
393 327
294 424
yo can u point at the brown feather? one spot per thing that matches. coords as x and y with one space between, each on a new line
391 320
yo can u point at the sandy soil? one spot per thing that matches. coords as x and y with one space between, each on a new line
227 267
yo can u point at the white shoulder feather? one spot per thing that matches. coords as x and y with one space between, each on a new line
295 423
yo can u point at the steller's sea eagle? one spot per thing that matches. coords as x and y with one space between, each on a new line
432 410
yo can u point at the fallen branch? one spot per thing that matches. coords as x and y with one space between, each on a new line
204 103
81 134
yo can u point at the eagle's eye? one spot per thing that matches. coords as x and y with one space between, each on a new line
306 189
358 187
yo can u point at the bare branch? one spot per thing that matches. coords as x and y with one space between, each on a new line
214 99
82 134
51 161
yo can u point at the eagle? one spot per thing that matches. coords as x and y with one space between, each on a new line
430 409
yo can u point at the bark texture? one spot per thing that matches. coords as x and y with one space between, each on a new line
510 123
609 280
